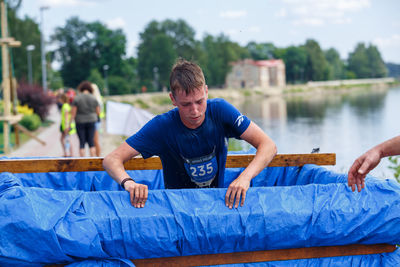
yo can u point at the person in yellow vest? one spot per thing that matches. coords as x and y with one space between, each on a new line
67 126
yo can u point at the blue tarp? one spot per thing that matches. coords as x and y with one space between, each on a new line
67 217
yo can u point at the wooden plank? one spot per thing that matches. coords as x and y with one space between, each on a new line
262 256
154 163
267 255
5 78
284 160
28 133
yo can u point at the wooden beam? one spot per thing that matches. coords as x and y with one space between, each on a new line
27 132
267 255
262 256
153 163
15 44
5 77
7 40
12 119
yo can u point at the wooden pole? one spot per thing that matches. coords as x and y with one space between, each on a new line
5 76
14 98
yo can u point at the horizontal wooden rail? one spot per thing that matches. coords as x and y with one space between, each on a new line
265 255
153 163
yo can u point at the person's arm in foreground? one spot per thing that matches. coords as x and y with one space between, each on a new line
369 160
266 150
113 163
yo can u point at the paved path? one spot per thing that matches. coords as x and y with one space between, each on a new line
51 135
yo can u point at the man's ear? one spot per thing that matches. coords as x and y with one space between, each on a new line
171 96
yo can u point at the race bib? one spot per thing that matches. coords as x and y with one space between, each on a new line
202 170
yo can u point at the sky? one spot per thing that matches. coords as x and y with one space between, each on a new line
339 24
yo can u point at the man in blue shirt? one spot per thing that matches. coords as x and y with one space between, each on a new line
191 141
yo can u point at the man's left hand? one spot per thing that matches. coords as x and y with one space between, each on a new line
237 189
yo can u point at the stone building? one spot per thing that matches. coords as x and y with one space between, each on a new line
260 74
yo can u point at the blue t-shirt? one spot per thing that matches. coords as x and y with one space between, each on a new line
191 157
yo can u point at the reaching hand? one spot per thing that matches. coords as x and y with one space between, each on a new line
138 193
361 167
237 189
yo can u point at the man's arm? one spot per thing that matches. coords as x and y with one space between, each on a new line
266 150
369 160
113 163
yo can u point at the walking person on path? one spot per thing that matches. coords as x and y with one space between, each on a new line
67 126
85 111
99 98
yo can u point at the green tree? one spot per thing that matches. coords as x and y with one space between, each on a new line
130 73
295 59
161 43
183 36
376 65
118 85
335 64
316 66
26 31
156 55
96 78
358 62
55 80
366 62
219 53
85 46
261 51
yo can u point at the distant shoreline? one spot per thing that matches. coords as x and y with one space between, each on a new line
159 102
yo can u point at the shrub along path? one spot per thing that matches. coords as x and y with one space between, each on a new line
51 135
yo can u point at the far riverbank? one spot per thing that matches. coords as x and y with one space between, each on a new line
159 102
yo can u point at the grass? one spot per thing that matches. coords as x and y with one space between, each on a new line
22 139
142 104
246 93
161 100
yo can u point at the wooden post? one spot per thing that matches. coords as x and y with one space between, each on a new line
14 98
5 76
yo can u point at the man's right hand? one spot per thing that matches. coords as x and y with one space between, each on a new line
361 167
138 193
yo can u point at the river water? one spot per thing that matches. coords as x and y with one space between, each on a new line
347 124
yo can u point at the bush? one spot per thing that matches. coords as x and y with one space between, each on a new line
395 167
35 98
31 122
24 110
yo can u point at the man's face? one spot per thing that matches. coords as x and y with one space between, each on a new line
191 107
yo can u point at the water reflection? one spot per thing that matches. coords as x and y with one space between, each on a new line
346 123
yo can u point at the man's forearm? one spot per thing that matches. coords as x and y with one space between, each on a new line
115 168
264 155
390 147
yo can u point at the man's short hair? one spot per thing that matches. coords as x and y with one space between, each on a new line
186 76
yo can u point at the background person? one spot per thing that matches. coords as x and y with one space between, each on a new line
191 141
99 98
85 110
369 160
67 126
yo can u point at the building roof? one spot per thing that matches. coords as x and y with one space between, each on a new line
260 63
